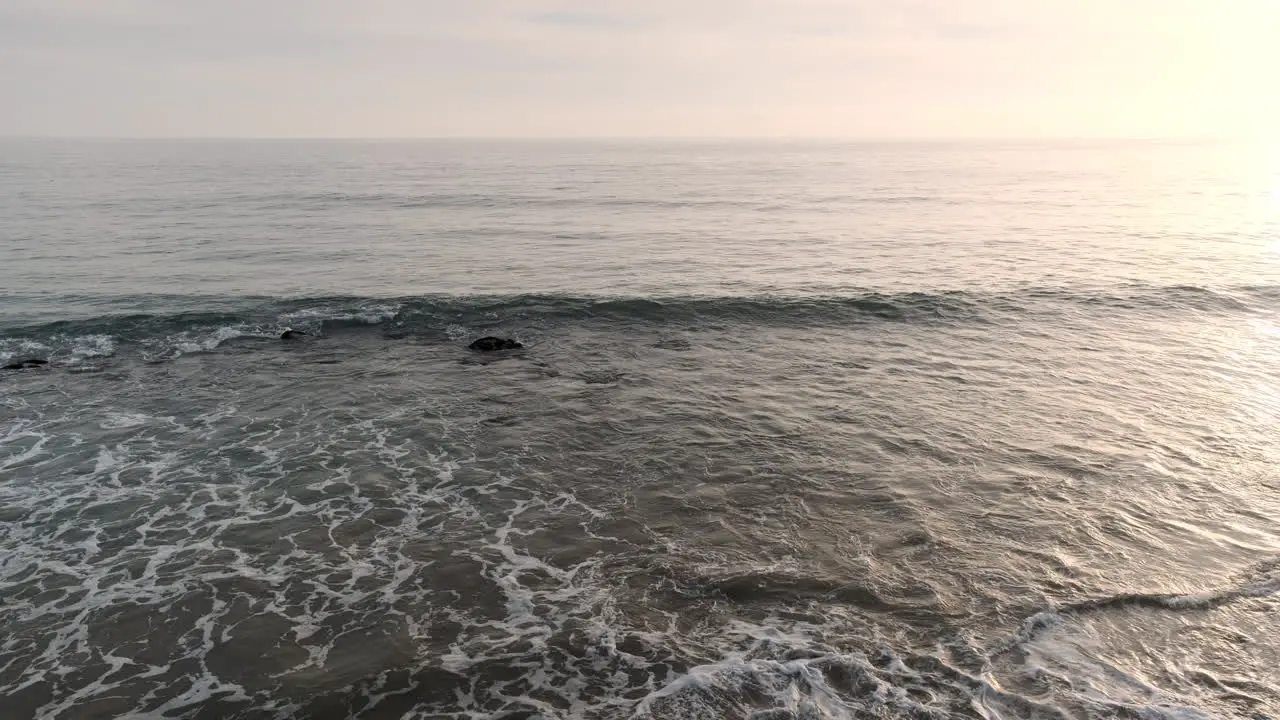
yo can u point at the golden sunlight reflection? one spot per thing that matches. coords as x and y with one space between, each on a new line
1257 353
1248 352
1274 213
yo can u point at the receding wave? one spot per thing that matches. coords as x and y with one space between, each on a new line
1263 582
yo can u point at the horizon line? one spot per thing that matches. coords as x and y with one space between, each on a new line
638 138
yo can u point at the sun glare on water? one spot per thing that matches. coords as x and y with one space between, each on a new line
1273 213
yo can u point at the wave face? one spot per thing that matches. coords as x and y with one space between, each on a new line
796 432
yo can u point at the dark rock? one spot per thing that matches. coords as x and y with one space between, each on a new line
26 364
292 334
492 344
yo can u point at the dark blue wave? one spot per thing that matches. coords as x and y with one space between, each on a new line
427 315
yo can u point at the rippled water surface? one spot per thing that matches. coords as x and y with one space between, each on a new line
799 430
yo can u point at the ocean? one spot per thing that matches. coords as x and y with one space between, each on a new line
800 430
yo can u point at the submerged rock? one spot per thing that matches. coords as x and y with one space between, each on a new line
492 344
28 364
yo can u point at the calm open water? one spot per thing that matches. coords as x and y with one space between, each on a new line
800 430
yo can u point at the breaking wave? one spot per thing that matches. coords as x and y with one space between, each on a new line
160 335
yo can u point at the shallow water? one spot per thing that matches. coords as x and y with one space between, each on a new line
798 431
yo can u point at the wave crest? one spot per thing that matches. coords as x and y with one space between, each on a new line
189 328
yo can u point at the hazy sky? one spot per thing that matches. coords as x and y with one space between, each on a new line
848 68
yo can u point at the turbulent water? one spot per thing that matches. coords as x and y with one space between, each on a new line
799 430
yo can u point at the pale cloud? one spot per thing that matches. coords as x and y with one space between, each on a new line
638 67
